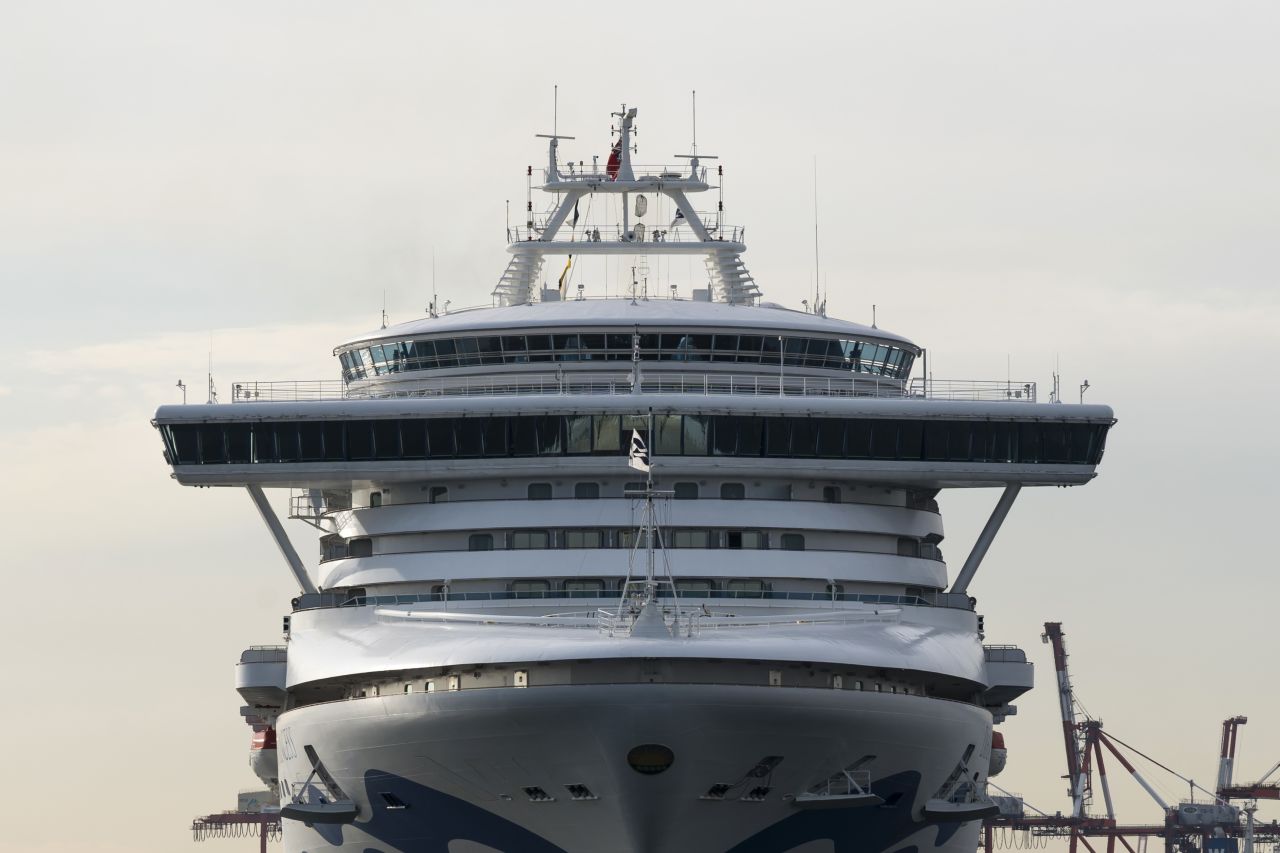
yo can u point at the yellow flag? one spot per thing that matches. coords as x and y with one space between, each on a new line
564 276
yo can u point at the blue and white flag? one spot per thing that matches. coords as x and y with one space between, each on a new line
638 458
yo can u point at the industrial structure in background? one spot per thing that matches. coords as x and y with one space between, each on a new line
1213 824
260 682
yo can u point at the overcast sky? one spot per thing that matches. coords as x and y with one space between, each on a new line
1013 184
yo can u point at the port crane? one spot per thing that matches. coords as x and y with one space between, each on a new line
1212 825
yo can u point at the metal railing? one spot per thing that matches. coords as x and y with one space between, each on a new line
658 233
615 384
972 389
598 384
582 173
312 601
264 654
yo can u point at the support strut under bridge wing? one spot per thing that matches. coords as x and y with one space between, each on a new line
287 550
985 538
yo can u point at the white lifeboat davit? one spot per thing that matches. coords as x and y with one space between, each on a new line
998 753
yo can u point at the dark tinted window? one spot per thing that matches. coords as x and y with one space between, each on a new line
963 441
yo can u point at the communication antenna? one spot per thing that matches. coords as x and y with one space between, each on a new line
183 387
873 316
384 308
431 309
555 110
694 148
212 389
816 267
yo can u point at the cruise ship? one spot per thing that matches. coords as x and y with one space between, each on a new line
654 571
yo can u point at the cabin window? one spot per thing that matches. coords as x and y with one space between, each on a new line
539 491
530 539
527 586
586 491
632 487
686 491
360 547
792 541
908 547
480 542
746 587
584 539
584 587
733 491
375 499
686 538
744 539
438 495
628 538
831 494
693 586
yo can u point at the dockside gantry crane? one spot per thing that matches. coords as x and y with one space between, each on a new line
1210 826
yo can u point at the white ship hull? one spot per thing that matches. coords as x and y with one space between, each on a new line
460 763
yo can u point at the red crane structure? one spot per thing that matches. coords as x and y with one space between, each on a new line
1227 789
1212 825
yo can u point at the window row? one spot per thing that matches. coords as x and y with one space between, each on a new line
540 588
336 548
680 490
603 435
793 351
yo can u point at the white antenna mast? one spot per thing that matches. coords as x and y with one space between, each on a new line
816 267
432 309
694 147
213 391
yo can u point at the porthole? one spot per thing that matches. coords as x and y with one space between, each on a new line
650 758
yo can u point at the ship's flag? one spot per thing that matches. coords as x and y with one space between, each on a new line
574 224
564 275
615 160
638 458
679 220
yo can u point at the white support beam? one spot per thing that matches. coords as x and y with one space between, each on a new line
287 550
985 539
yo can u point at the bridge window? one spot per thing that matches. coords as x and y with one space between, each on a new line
964 441
480 542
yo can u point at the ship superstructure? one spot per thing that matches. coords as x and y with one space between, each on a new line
465 664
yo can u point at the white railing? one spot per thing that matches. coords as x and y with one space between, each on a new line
660 232
613 384
973 389
582 173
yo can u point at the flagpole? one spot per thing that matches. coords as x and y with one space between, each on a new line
648 497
